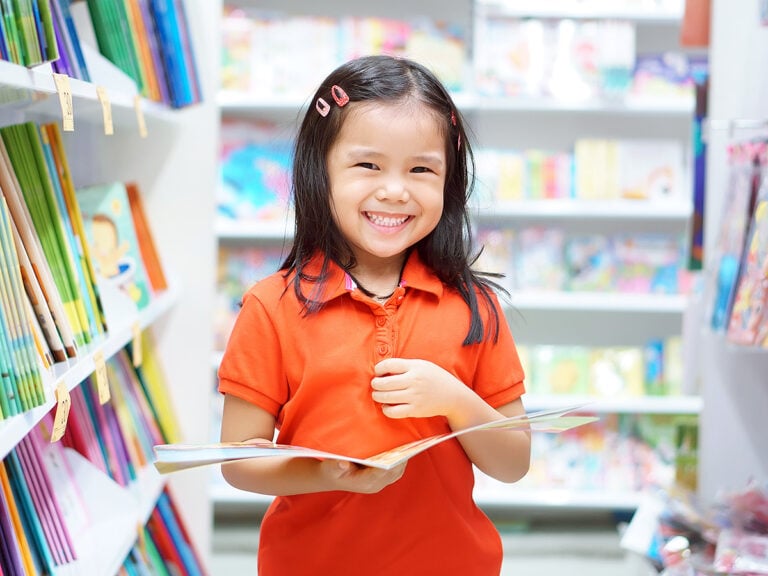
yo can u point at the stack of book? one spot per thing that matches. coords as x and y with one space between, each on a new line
47 519
60 249
149 40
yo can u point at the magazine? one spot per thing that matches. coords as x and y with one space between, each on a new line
175 457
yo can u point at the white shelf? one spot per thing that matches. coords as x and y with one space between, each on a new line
574 209
224 495
240 103
254 230
29 92
618 405
557 498
585 9
590 302
72 372
115 513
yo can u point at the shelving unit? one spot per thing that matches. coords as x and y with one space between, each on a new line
180 316
734 379
557 318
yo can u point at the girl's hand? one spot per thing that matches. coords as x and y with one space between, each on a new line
417 389
350 477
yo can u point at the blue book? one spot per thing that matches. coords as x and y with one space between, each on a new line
167 26
174 529
32 525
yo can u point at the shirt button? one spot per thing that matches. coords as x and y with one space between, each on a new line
381 321
383 350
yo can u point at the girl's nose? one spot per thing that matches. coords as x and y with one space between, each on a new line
393 190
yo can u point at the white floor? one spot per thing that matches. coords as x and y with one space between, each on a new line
538 548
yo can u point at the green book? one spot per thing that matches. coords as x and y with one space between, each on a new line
25 151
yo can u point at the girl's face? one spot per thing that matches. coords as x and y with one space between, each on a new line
387 173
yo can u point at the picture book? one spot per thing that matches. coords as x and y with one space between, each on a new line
175 457
255 172
748 323
112 239
731 238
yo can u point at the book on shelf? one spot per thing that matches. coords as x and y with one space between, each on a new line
145 239
149 41
748 324
22 387
113 242
71 60
174 457
37 275
731 236
27 35
26 150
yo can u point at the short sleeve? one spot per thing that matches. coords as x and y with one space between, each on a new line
499 378
252 365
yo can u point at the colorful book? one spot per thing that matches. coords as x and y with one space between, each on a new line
24 147
39 281
146 240
112 240
748 323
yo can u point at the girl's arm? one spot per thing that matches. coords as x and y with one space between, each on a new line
502 454
280 476
408 388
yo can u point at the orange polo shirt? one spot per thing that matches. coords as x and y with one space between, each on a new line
314 372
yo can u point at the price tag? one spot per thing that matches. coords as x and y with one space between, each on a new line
65 100
102 382
63 403
106 110
140 116
136 346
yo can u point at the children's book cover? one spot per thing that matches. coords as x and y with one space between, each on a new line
112 238
747 325
255 172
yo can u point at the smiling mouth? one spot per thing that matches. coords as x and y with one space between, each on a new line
387 221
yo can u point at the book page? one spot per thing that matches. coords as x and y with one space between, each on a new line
174 457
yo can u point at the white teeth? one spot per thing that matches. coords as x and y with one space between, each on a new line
386 221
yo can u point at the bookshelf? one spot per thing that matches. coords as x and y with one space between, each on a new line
734 379
542 317
179 318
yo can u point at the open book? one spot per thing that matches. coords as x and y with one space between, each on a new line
174 457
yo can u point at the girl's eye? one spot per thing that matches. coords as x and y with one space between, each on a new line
420 170
367 165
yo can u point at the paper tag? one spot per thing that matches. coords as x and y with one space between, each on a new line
63 403
102 381
140 116
106 110
65 100
136 346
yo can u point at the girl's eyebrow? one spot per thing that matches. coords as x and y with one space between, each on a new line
433 159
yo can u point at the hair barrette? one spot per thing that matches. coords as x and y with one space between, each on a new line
339 95
453 117
323 107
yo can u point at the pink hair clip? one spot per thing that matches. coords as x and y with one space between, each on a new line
323 107
453 117
339 95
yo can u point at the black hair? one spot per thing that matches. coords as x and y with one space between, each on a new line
445 250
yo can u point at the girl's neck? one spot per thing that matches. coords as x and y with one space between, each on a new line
378 281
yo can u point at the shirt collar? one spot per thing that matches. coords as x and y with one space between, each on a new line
416 275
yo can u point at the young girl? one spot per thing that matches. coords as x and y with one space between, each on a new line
376 332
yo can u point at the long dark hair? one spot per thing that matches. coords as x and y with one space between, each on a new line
445 250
